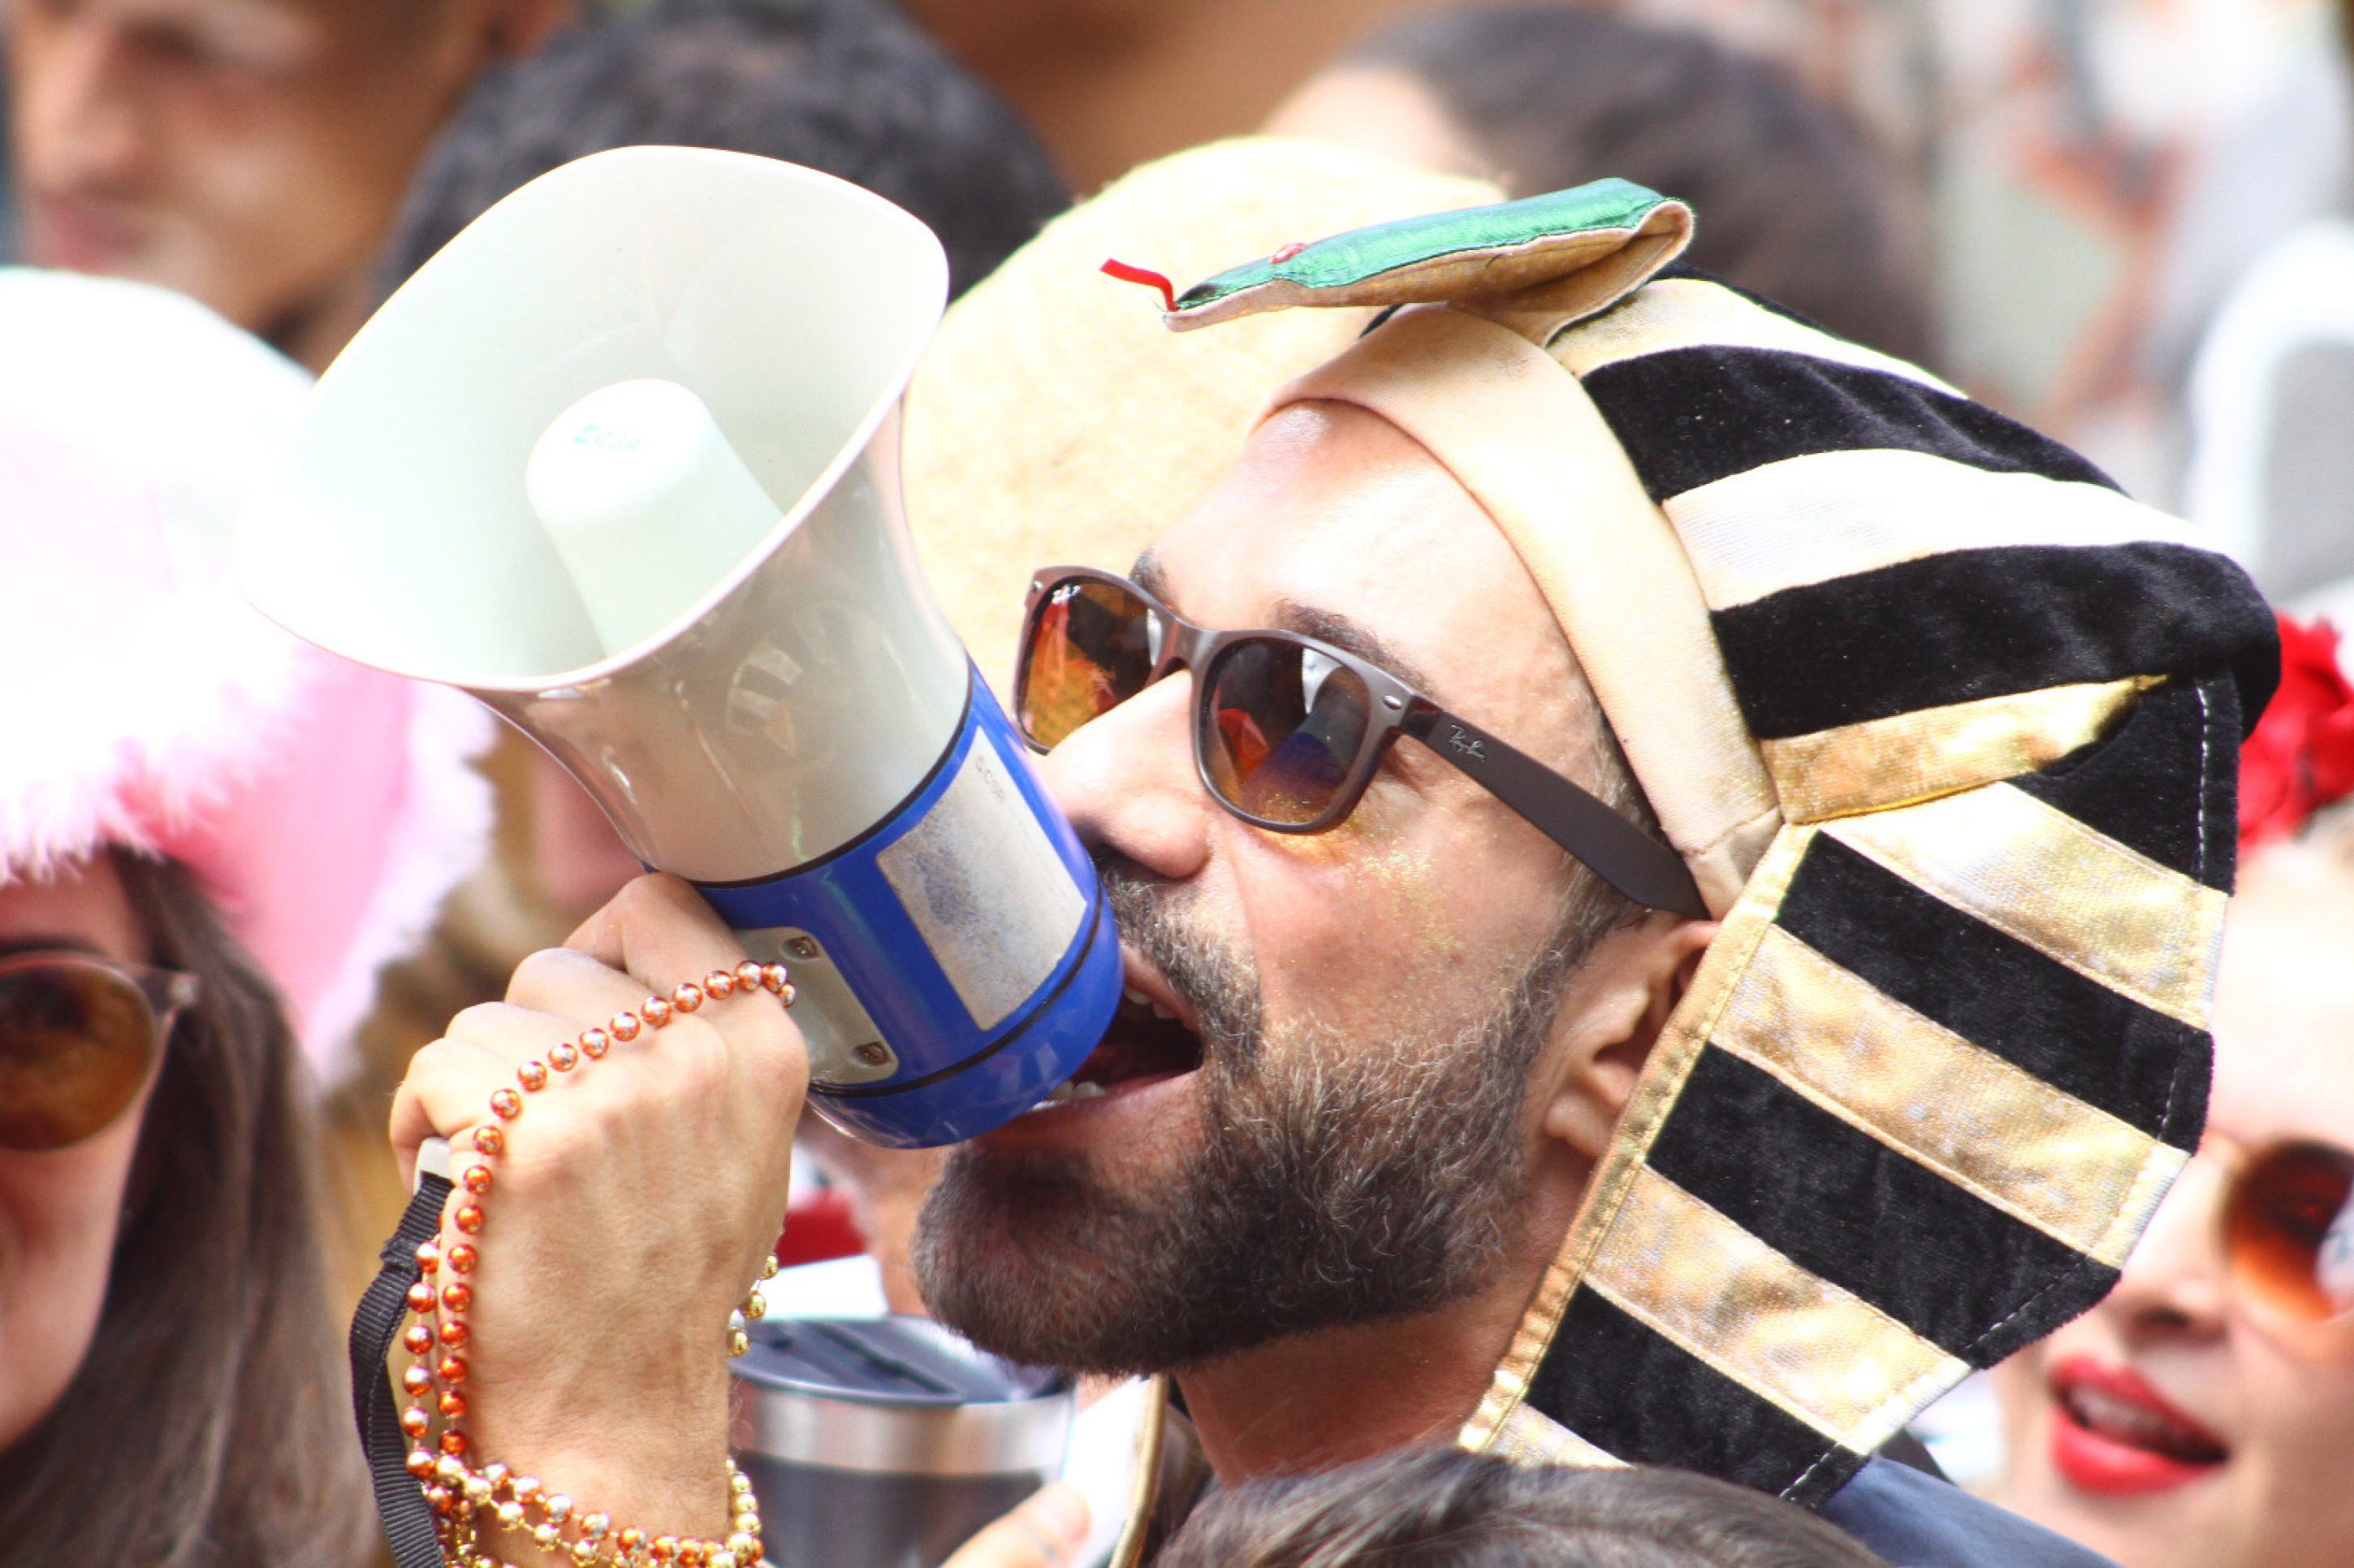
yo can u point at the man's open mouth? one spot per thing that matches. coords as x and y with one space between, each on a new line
1146 1043
2116 1405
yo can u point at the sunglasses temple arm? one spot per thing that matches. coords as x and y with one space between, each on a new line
1616 851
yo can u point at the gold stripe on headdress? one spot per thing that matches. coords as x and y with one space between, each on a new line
1680 1046
1798 1341
1508 1386
1529 1436
1694 313
2035 873
2037 1153
1919 755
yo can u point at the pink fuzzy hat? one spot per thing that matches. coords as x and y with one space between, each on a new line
329 809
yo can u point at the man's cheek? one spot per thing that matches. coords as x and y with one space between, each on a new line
1400 884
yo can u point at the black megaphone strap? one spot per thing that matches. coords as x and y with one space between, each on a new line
400 1496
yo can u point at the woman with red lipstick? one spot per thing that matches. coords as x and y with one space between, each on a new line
2204 1413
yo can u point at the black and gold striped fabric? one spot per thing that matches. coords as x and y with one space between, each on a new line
1951 747
1950 1047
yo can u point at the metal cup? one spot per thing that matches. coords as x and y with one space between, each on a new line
888 1442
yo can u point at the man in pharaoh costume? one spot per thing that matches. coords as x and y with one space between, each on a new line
1669 864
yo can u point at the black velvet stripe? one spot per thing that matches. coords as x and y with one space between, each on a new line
1845 1206
1991 988
2186 1117
1689 416
2142 784
1618 1384
1983 623
2153 784
2227 725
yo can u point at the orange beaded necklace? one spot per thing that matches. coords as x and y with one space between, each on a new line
460 1495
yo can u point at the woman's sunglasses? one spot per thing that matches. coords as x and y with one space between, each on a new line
2289 1230
1288 731
79 1037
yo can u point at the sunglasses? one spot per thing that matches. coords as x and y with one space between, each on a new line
2288 1229
79 1038
1288 731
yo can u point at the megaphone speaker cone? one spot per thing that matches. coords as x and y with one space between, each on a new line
622 462
645 501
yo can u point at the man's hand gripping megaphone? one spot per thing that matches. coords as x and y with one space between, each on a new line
636 1198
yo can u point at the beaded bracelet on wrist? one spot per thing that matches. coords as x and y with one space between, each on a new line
466 1500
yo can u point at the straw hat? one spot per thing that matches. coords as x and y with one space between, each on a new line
1024 448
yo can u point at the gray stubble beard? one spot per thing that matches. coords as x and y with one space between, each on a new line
1334 1184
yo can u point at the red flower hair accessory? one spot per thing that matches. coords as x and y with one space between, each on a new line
2301 756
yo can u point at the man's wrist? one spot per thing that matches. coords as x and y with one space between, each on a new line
594 1499
697 1514
659 1467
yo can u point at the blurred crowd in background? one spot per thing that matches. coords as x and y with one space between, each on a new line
2129 223
2084 211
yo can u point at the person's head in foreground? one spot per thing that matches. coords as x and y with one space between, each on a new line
2203 1414
1795 203
207 837
249 154
1441 1507
1657 1050
844 86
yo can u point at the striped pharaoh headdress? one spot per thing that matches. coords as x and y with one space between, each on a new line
1945 728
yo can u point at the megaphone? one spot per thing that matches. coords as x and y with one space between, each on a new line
622 462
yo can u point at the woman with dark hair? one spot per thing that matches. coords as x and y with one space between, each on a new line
208 837
206 1363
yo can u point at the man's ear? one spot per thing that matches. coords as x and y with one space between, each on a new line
1617 1003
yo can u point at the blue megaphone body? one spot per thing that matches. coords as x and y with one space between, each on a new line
622 462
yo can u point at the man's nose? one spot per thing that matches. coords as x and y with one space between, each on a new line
2175 1285
1127 782
79 121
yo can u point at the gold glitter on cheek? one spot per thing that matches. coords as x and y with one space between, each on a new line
1379 867
1408 883
1362 833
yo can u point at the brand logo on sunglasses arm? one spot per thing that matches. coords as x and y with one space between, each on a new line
1465 745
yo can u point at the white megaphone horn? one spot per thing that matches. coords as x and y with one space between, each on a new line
622 462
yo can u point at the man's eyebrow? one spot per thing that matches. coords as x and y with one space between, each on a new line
1350 637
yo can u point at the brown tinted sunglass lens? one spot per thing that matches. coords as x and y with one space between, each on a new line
2288 1228
75 1045
1283 730
1090 650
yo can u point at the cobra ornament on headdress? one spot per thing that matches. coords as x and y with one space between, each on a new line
1944 727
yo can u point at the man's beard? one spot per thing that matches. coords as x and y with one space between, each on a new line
1336 1182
